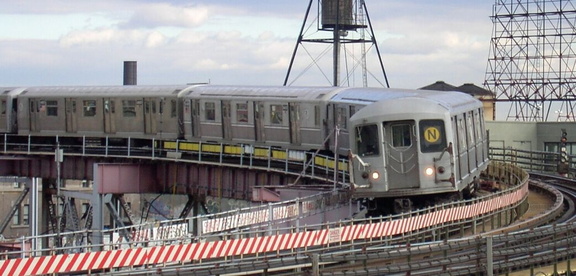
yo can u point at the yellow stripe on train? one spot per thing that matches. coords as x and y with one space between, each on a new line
326 162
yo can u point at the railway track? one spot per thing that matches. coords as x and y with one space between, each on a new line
568 189
544 239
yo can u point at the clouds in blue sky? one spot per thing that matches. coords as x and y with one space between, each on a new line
229 42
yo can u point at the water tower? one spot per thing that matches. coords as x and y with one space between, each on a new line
340 23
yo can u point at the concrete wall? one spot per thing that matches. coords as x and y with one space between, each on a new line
528 135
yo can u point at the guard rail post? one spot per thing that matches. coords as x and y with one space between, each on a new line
489 256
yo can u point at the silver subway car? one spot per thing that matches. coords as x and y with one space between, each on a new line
8 108
291 117
99 111
413 144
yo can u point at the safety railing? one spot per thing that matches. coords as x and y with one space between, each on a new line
295 162
537 161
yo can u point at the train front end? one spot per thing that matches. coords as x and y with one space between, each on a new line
400 150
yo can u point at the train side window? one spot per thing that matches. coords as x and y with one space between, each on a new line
401 136
51 108
210 111
432 136
461 135
129 108
41 106
242 112
367 140
276 114
478 126
89 108
3 107
469 129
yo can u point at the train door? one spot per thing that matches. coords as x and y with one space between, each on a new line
471 140
294 110
13 116
226 120
259 121
109 116
34 115
71 119
402 158
150 116
196 118
461 148
4 115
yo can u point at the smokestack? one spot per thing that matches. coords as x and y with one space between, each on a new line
130 73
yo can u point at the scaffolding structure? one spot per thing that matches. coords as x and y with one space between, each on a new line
531 62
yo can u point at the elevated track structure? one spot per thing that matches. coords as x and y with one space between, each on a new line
280 236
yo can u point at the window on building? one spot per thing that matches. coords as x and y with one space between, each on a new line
276 114
89 107
210 111
129 108
26 214
51 108
242 112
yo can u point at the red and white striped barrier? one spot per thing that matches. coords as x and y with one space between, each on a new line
235 247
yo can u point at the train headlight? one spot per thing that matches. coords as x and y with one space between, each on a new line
429 171
375 175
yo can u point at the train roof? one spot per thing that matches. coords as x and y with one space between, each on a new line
370 95
103 91
11 91
419 101
296 93
373 95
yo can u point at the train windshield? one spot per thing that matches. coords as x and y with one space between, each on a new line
432 136
367 140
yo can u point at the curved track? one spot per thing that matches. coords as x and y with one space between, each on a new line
568 189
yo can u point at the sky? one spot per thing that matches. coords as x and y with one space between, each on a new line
246 42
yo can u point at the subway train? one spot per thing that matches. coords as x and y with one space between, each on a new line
407 148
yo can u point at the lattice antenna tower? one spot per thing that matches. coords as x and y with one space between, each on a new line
338 25
532 61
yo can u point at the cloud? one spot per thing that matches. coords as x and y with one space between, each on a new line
163 15
247 42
